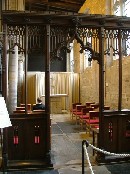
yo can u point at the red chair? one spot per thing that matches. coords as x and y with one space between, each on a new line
78 111
73 109
84 116
95 106
88 104
93 120
106 107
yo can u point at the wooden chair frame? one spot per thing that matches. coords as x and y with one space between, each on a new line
92 120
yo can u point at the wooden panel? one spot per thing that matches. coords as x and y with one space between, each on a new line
116 132
16 151
124 134
56 105
27 139
111 133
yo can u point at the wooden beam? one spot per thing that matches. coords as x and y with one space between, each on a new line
55 5
65 5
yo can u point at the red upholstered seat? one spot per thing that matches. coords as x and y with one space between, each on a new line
88 104
96 126
95 106
73 109
78 111
93 120
84 116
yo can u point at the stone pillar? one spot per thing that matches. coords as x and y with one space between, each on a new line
13 79
77 62
20 78
13 58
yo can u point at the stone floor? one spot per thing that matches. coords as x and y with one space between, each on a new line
67 144
66 151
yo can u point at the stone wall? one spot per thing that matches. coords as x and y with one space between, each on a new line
112 84
89 84
126 83
96 7
76 57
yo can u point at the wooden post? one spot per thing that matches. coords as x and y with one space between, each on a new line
4 64
47 84
120 70
26 65
101 85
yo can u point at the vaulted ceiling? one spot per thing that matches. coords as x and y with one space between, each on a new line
54 5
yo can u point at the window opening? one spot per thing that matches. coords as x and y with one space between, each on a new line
87 58
126 8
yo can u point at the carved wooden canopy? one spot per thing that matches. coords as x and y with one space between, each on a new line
64 29
96 33
97 20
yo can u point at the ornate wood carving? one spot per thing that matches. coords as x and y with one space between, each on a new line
59 30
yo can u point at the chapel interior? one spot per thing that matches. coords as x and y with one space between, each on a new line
70 53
